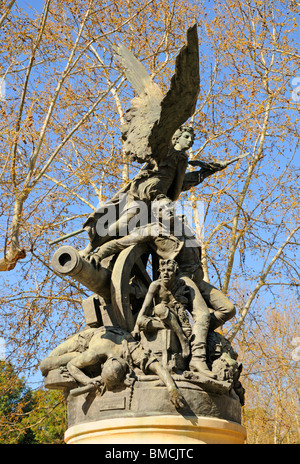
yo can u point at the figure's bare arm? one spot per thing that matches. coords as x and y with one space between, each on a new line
85 359
152 291
78 375
175 395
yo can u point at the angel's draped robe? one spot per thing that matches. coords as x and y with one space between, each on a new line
163 178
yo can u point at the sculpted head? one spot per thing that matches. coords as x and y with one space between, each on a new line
113 372
183 138
168 269
163 208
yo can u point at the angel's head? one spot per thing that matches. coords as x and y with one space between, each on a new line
183 138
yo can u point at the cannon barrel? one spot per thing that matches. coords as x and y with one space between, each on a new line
67 261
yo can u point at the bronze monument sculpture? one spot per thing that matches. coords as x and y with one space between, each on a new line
151 319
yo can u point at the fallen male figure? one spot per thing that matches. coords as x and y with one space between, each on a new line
116 349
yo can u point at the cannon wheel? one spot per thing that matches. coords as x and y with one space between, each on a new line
131 262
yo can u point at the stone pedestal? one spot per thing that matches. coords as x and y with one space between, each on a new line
165 429
145 415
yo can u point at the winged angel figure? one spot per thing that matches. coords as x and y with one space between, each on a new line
155 135
153 117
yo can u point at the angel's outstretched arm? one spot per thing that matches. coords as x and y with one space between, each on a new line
191 179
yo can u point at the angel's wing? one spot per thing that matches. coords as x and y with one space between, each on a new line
180 101
153 118
145 107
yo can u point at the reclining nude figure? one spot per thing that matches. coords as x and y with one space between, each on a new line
114 349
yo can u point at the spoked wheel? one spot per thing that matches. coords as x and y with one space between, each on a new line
129 282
